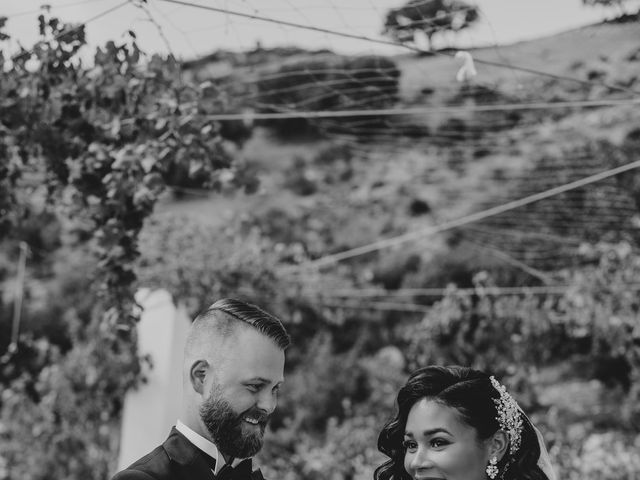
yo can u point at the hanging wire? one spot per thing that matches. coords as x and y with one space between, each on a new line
465 220
423 110
534 272
142 6
396 44
441 292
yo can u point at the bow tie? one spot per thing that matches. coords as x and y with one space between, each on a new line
242 471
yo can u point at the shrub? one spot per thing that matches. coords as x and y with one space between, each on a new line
299 178
599 456
197 263
594 323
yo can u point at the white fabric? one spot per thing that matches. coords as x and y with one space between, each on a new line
468 70
544 462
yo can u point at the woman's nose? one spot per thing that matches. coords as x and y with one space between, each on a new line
421 459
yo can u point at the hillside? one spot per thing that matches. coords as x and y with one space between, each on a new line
595 52
341 190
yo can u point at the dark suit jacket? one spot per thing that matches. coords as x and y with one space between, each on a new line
176 459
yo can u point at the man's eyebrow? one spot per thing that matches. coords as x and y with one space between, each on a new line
262 380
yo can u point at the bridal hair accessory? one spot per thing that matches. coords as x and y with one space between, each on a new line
509 416
492 468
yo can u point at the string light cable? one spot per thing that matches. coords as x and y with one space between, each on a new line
465 220
424 110
440 292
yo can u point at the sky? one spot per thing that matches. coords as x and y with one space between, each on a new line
189 32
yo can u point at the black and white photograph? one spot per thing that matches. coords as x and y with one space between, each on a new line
320 240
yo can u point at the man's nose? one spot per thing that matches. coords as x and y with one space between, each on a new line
267 401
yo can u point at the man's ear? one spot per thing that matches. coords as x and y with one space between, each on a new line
198 375
498 444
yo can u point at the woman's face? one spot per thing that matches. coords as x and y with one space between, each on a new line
439 445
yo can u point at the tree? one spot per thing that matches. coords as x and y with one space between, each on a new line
608 3
428 17
93 147
100 144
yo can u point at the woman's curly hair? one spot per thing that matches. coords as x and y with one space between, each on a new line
471 393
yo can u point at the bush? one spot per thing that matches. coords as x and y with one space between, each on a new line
599 456
299 178
197 262
71 424
345 447
594 324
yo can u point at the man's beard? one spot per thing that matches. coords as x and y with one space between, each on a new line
231 434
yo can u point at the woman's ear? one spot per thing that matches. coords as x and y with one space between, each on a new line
498 444
198 375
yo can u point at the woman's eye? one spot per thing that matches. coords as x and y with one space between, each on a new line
409 445
439 443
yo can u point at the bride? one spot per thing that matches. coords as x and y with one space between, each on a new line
456 423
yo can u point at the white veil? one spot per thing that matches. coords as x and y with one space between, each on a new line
544 461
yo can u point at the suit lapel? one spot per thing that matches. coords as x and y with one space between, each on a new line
190 462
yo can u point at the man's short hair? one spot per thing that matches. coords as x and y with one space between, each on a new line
229 311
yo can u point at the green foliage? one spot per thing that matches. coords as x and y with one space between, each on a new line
69 416
594 320
313 399
336 161
339 413
609 456
85 154
300 178
428 17
197 262
105 142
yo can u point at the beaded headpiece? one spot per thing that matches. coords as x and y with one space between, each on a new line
509 416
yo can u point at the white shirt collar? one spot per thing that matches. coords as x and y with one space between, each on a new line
203 444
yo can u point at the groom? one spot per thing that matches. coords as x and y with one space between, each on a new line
233 368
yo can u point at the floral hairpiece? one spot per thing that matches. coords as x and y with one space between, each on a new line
509 416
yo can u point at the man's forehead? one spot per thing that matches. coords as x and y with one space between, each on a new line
252 355
243 373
